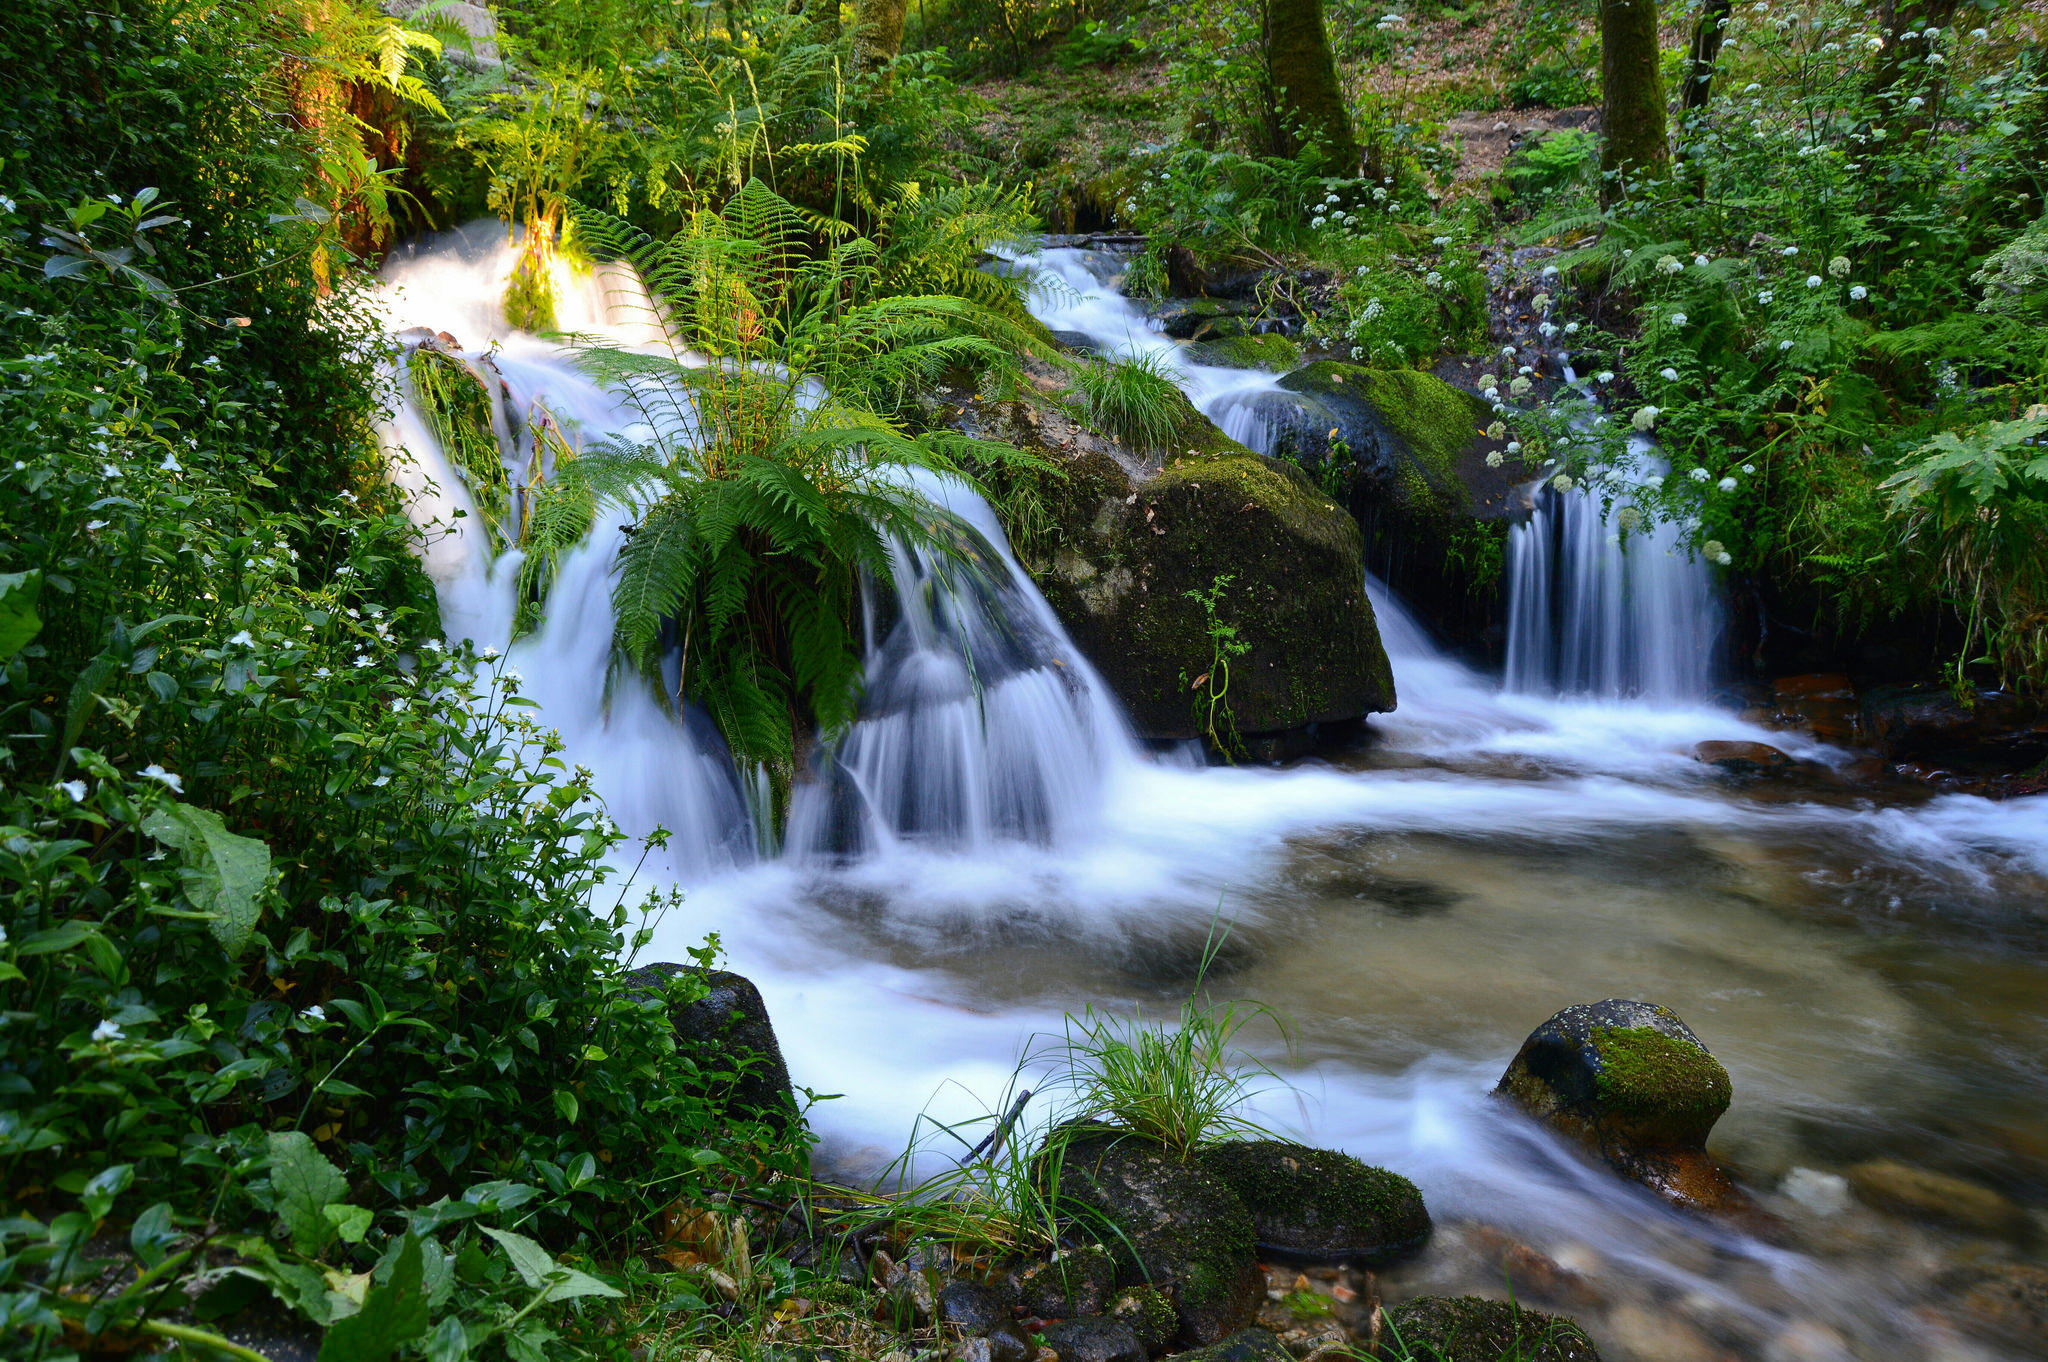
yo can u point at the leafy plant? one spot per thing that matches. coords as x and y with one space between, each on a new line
1131 398
1212 688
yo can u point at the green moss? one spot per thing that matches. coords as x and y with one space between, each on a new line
1646 1076
1474 1329
1148 1314
1435 420
1269 351
1321 1203
1403 425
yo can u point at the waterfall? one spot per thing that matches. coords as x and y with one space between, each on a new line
1598 608
980 721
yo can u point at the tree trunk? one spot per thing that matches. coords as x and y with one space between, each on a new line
1308 98
1632 97
1706 51
877 32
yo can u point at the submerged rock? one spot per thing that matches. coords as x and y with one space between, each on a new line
1125 535
1742 758
1268 350
1630 1082
1177 1227
1094 1338
2008 1302
1922 1194
1994 730
731 1020
1474 1329
1318 1205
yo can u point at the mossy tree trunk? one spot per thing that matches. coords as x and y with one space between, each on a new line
1308 98
877 32
1705 53
1636 140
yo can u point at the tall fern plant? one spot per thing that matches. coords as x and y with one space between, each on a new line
772 473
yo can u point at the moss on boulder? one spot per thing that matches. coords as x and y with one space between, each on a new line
1475 1329
1269 350
1319 1205
1130 536
1246 1345
1631 1082
1178 1227
1149 1315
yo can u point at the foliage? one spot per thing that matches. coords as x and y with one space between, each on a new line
1212 688
302 923
1831 283
1132 398
774 476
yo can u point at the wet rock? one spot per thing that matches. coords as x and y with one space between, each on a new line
1474 1329
1179 1227
1317 1205
1076 342
2009 1302
970 1307
1631 1083
1808 1340
1304 1320
1246 1345
972 1350
1094 1338
1988 729
1533 1274
1135 531
1148 1314
1637 1331
1195 319
1742 758
1009 1343
730 1020
1919 1193
1077 1281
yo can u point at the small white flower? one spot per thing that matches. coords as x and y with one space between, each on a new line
1723 558
1789 251
74 788
1571 328
1654 481
108 470
106 1031
1520 387
1699 262
1839 267
171 464
1668 374
1645 417
1494 460
1784 345
242 640
95 526
1514 446
1726 484
1562 482
1669 264
170 779
324 672
1550 271
1813 281
1765 297
316 1013
1748 468
1496 431
1915 102
1316 221
1699 475
1508 350
1857 293
1678 319
1540 301
1605 376
398 706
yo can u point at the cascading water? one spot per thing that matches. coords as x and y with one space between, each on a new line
1600 607
980 720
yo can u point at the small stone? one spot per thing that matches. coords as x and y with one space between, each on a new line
1148 1314
1094 1338
1008 1343
1640 1332
1920 1193
1742 758
1070 1283
1808 1341
972 1350
2010 1302
1821 1193
969 1307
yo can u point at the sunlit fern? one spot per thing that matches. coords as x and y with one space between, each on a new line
769 477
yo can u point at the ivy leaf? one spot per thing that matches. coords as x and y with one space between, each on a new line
225 872
392 1314
19 622
306 1184
539 1270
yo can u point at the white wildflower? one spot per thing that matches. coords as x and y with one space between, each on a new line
170 779
171 464
1748 468
315 1013
106 1031
1857 293
1645 417
1678 319
1784 345
1699 475
1540 302
1789 251
1514 446
1669 264
1668 374
75 789
1726 484
1571 328
1520 387
242 640
1765 297
1605 376
1813 281
1496 431
1562 482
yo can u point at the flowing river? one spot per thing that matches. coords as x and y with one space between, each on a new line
987 858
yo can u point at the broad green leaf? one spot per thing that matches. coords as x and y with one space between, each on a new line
540 1271
19 622
392 1314
226 872
306 1184
350 1223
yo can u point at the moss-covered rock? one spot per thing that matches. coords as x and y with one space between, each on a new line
1200 318
1069 1283
1178 1227
1269 350
1246 1345
1148 1314
729 1020
1631 1082
1319 1205
1474 1329
1130 537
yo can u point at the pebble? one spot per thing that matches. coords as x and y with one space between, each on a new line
1640 1332
1821 1193
1808 1341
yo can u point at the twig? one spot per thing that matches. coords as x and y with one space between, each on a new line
994 1139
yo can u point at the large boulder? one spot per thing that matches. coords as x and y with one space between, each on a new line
1475 1329
1171 1224
1131 533
1630 1082
1321 1206
725 1016
1982 730
1433 512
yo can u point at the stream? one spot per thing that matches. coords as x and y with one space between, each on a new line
1872 971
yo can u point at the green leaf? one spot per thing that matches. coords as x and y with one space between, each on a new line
566 1105
306 1184
350 1223
18 620
225 873
392 1314
540 1271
